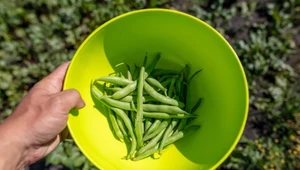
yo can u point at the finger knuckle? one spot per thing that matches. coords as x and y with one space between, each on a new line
74 93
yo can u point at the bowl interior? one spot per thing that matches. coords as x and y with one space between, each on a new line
182 40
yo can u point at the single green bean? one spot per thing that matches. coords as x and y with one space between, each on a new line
181 125
121 125
127 99
139 114
129 76
166 83
164 78
163 108
152 65
196 106
153 127
166 134
118 104
115 80
171 88
180 104
149 99
146 154
180 134
153 82
161 72
128 124
143 129
148 123
133 98
144 93
191 78
161 127
178 87
114 89
160 115
125 91
136 73
159 97
122 76
132 115
152 142
114 124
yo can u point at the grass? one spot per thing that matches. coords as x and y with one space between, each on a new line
37 35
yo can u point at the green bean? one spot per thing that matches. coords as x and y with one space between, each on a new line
147 153
166 134
115 80
111 102
163 108
161 72
149 99
161 127
153 82
133 98
114 124
121 125
132 115
136 73
125 91
171 88
160 115
180 134
181 125
164 78
148 123
180 104
152 65
143 130
118 104
128 124
178 87
129 76
122 76
171 133
191 78
196 106
114 89
152 142
159 97
153 127
183 93
139 114
166 83
127 99
144 93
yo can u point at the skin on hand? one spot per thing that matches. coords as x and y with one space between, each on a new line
32 130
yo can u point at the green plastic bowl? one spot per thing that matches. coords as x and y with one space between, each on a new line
182 39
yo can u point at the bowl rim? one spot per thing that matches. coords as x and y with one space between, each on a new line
229 151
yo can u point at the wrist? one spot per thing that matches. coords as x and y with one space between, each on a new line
12 150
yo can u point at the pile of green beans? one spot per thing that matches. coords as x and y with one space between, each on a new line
147 109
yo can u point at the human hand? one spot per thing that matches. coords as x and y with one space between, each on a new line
32 130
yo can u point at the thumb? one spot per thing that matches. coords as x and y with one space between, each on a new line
53 82
69 99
